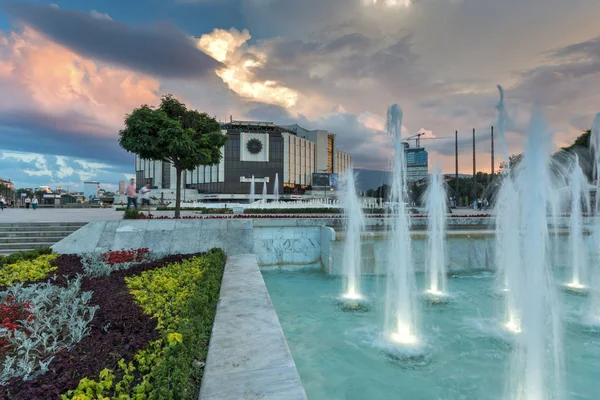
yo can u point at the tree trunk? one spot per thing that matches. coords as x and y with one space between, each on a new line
178 193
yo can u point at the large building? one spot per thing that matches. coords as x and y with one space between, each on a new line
417 163
289 155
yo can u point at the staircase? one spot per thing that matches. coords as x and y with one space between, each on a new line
15 237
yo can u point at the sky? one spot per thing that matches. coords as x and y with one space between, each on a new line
71 70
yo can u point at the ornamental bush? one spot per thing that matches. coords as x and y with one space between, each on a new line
24 255
182 297
27 270
51 318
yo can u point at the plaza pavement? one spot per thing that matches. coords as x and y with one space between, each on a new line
22 215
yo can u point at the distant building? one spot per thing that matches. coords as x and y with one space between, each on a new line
259 149
417 163
122 187
7 183
91 190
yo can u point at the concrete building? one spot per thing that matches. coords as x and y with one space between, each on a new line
417 163
122 187
7 184
260 149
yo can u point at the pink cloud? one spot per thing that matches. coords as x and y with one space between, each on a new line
39 75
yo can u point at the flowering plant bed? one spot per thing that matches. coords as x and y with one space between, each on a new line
296 216
119 325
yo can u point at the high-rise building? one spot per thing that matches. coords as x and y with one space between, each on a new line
417 163
122 187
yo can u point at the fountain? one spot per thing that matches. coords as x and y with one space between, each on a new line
580 196
537 364
352 297
594 312
437 208
276 188
264 193
508 257
400 326
251 198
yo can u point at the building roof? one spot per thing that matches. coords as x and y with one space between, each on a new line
255 126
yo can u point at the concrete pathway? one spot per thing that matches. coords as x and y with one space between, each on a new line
248 357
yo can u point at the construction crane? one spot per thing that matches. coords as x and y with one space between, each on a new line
417 138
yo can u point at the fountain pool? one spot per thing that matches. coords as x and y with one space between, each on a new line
467 353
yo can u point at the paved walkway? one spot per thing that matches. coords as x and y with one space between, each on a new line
248 355
10 215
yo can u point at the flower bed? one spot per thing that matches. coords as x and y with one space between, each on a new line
139 326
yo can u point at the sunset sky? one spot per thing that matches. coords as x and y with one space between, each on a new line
71 70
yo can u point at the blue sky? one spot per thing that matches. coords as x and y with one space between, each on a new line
71 70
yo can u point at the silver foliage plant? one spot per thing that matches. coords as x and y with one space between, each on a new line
94 265
62 318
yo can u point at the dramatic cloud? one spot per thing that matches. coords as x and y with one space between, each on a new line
335 65
240 61
57 102
164 52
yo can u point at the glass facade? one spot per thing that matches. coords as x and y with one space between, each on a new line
166 175
416 156
330 150
236 169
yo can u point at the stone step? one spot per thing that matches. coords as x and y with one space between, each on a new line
52 233
15 247
40 228
31 239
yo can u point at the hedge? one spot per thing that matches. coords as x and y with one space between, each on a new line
307 211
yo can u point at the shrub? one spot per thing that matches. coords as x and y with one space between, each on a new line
52 318
132 213
24 255
308 211
182 297
125 256
27 270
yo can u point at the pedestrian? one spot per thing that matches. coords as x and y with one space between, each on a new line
34 203
131 195
27 202
2 203
145 197
486 204
12 203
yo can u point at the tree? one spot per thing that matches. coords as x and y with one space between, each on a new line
512 161
172 133
582 140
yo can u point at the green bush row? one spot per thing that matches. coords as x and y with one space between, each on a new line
180 371
132 213
203 210
24 255
307 211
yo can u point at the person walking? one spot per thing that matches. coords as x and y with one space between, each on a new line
145 197
34 203
27 202
131 195
2 202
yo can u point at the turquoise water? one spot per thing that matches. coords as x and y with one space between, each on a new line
467 354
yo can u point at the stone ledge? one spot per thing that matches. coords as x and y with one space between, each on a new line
248 355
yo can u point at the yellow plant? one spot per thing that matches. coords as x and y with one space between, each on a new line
164 292
27 270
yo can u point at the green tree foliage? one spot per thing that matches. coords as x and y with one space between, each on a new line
582 140
173 133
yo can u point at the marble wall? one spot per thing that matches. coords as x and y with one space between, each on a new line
290 242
